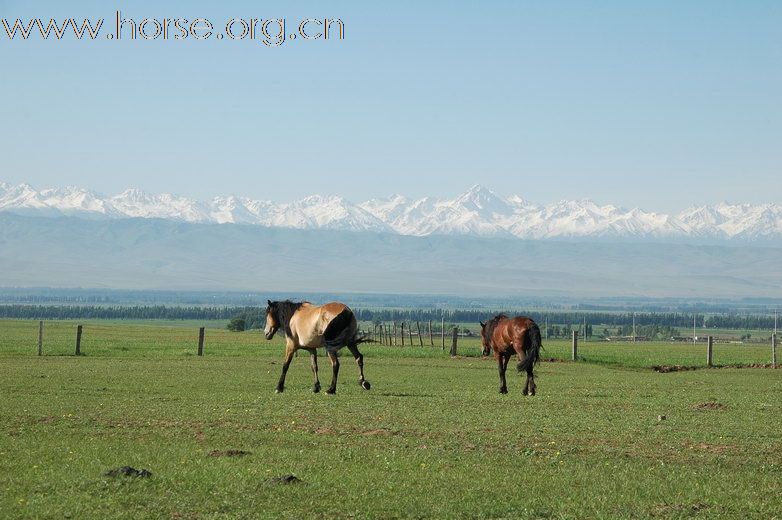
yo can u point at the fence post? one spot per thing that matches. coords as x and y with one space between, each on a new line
442 331
402 329
418 328
774 350
78 340
201 341
709 350
453 342
395 340
575 345
431 339
40 338
410 333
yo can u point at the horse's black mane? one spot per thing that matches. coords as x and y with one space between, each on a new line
284 311
492 323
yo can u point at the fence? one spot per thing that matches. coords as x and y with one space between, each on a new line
95 339
63 338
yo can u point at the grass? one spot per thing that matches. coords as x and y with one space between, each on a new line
431 439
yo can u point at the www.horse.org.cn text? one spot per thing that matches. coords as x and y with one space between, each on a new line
270 32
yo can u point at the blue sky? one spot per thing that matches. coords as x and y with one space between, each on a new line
655 104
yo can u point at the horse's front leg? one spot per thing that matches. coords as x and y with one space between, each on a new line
290 349
314 364
334 372
360 362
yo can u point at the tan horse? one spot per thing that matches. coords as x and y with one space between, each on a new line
507 335
310 327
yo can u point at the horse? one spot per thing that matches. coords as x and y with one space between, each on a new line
310 327
507 335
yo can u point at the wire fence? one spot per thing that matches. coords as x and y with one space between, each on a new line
110 339
58 338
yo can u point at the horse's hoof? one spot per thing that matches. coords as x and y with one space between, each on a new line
279 390
365 384
503 390
331 391
316 388
524 392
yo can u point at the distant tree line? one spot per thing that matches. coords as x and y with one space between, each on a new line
254 317
615 319
138 312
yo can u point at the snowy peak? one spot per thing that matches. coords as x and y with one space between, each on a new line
735 220
479 211
483 200
140 204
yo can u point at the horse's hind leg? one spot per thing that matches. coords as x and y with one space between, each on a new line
529 388
518 346
529 385
334 371
502 365
289 351
314 364
360 362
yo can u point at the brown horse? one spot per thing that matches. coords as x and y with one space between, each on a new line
507 335
310 327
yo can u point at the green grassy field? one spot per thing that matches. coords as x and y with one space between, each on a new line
431 439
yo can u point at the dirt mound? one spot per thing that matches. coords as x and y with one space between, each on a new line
378 431
717 449
228 453
664 369
285 479
127 471
679 509
711 405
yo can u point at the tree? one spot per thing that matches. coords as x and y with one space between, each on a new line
237 324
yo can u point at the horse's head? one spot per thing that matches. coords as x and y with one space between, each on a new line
272 325
485 340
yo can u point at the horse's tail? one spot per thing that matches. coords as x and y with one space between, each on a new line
532 354
341 331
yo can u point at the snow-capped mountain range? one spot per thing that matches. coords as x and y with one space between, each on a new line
477 212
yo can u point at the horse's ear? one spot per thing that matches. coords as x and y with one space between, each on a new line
269 302
482 324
